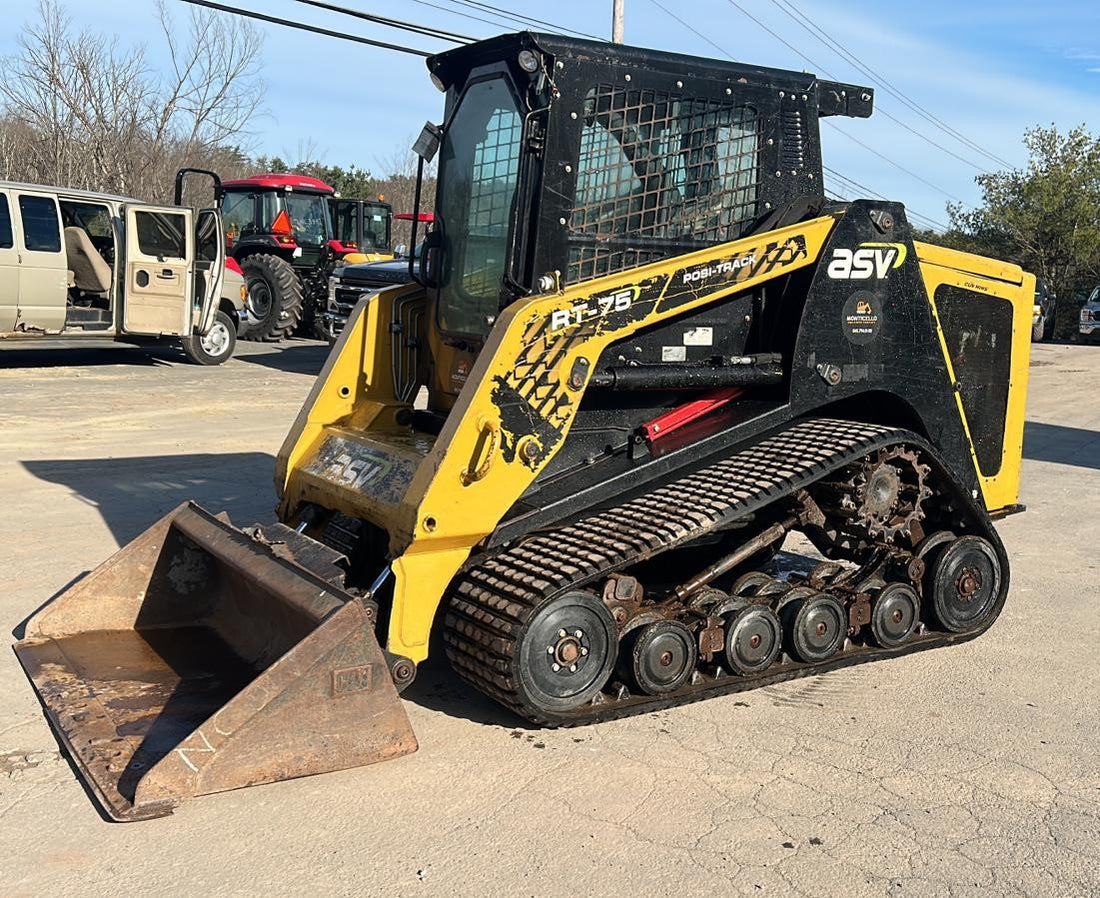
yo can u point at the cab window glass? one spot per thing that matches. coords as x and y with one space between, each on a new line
207 242
92 217
162 234
6 241
239 214
41 228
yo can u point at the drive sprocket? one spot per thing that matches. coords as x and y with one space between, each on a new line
889 491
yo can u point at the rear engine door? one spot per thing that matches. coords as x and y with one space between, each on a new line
209 268
9 266
159 279
43 268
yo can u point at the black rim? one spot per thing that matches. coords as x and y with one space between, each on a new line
567 652
259 299
817 627
894 615
663 657
965 584
754 639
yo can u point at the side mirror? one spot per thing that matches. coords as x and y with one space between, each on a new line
400 251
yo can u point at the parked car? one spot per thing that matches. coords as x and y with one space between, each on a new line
77 265
1042 318
1089 328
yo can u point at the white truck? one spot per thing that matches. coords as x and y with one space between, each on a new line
77 265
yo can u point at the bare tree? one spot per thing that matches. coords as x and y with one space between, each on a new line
83 111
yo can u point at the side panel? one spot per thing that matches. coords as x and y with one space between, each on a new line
43 270
984 312
9 266
158 283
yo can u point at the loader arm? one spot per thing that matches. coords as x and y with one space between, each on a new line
511 418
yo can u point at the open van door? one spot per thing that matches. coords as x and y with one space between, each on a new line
209 268
159 280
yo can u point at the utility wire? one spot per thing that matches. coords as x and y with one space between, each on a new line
890 161
725 53
853 185
425 30
313 29
824 37
527 20
497 23
825 71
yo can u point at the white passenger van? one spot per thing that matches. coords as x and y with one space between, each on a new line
77 265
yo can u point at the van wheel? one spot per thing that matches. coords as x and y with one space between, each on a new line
216 345
274 298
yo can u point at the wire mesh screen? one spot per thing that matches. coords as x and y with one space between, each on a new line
659 174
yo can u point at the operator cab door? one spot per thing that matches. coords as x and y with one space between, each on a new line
9 266
159 281
209 268
347 226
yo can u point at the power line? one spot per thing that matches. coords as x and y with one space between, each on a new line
301 26
424 30
892 162
824 37
853 185
825 71
725 53
529 20
454 12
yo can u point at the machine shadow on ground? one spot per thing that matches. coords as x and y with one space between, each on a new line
297 357
1062 445
438 688
91 356
132 493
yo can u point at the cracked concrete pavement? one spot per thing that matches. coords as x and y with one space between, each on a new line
963 771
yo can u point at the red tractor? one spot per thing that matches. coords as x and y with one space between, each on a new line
279 229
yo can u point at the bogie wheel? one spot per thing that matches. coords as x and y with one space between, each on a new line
895 615
216 345
963 583
565 652
754 639
274 298
751 583
815 627
660 657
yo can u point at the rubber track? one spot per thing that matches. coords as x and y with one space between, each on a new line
491 600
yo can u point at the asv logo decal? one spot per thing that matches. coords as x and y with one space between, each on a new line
871 260
596 307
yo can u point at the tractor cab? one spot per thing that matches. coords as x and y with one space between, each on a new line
361 230
286 214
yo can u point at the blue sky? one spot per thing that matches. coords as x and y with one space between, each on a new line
988 69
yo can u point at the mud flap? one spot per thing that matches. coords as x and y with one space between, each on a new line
200 658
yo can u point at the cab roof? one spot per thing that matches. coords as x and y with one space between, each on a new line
281 182
452 67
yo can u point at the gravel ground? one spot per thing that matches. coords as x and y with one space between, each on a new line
963 771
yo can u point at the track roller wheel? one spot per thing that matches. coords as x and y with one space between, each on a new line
661 657
566 652
894 615
751 583
815 627
754 639
963 582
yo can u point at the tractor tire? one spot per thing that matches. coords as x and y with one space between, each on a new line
274 298
216 346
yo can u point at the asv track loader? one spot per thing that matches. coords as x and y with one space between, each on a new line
650 351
